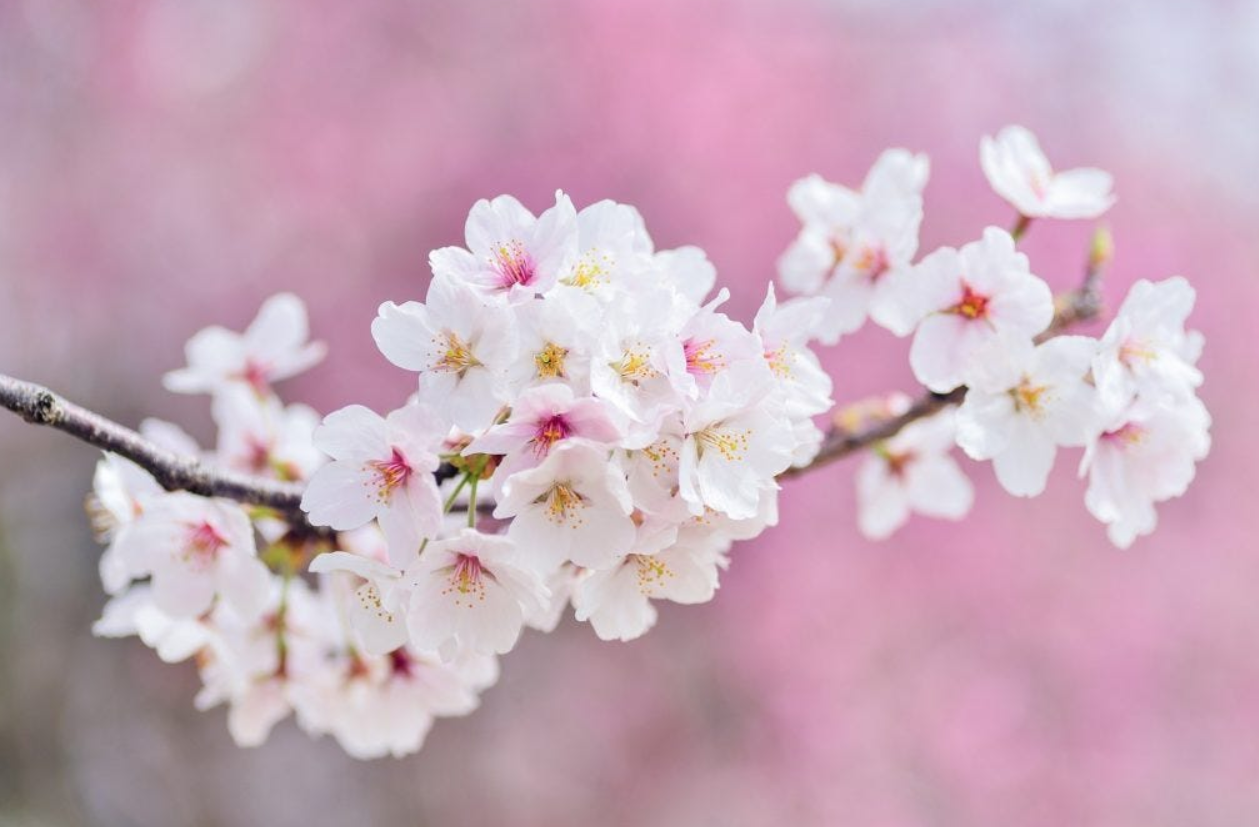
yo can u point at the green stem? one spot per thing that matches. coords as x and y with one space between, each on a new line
472 503
1020 227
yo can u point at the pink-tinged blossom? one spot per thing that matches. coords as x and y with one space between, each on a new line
376 606
511 253
542 418
272 348
1146 454
1020 173
556 336
804 387
382 469
470 594
259 435
1022 402
852 242
460 343
195 549
134 612
575 506
912 472
1146 350
707 345
617 601
960 301
736 441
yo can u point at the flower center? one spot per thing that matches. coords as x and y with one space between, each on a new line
550 431
653 573
898 462
634 367
564 505
972 305
456 354
592 271
731 444
779 360
873 262
466 582
513 264
203 543
255 373
1028 397
1128 436
550 361
1136 350
701 358
391 474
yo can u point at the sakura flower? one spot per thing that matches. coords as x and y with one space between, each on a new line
805 388
376 611
962 300
272 348
382 468
556 338
386 705
1146 350
1146 454
912 472
736 442
134 612
708 344
511 253
468 594
196 548
688 271
542 418
259 435
617 601
461 346
1020 173
574 506
1023 402
613 249
851 241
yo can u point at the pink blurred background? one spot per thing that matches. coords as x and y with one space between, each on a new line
168 165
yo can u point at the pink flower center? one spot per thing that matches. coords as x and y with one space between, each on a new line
1129 435
256 374
702 359
898 463
513 264
203 544
390 474
400 662
972 305
873 262
550 431
466 581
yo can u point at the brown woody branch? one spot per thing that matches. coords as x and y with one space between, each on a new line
175 472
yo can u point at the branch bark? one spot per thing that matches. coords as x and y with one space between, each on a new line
174 472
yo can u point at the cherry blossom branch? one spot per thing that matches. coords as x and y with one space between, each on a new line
174 472
1071 308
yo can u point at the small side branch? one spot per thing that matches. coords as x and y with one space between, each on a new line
1074 307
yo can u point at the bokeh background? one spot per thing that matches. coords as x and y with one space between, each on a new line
167 165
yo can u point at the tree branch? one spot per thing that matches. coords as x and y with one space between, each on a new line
174 472
1079 305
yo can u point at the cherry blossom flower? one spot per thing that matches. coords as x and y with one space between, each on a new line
541 418
1146 454
469 595
574 506
1146 350
912 472
851 242
376 611
1022 402
461 346
261 436
382 468
617 601
196 549
708 344
511 253
736 441
961 300
804 387
1020 173
556 338
272 348
134 612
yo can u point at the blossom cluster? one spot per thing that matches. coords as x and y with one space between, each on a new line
982 321
588 429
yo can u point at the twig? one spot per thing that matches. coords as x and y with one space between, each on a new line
174 472
1072 308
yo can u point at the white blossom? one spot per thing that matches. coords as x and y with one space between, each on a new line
1020 173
